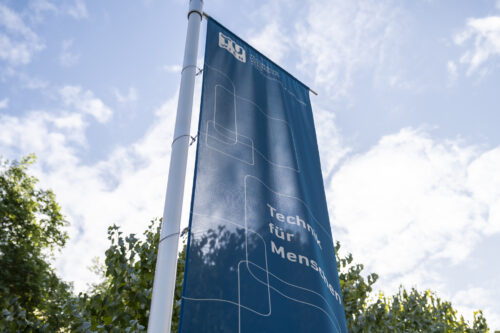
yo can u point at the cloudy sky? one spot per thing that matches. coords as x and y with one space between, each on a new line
407 119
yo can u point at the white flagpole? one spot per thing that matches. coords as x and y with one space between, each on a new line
160 315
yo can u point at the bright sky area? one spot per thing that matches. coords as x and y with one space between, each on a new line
407 119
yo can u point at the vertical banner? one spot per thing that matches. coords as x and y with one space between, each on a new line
260 251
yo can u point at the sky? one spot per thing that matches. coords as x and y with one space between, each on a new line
407 121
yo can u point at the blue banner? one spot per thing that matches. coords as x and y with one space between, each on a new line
260 252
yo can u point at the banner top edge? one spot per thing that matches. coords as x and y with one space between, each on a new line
263 55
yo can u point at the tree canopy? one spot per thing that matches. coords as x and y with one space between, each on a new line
32 228
406 311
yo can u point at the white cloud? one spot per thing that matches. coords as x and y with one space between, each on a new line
484 183
451 67
485 36
410 198
271 41
130 97
66 57
85 102
30 82
126 189
13 22
38 8
338 38
18 43
4 103
474 298
172 68
50 136
78 10
331 146
24 81
334 40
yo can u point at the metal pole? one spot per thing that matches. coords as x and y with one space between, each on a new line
160 315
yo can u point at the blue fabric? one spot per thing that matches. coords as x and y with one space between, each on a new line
260 250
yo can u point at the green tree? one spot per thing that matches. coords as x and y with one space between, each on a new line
31 229
414 311
405 311
120 303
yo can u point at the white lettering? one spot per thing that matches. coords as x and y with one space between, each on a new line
280 251
303 260
271 209
294 220
291 256
280 217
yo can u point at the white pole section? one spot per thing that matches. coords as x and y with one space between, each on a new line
160 315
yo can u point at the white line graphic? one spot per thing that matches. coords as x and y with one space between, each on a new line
334 320
217 127
269 78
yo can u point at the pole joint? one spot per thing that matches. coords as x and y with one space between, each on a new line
196 6
179 137
197 12
193 138
168 236
200 70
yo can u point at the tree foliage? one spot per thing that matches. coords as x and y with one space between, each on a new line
31 224
406 311
120 303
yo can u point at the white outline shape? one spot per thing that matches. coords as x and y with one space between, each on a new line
268 285
336 322
281 84
207 135
296 159
242 143
234 110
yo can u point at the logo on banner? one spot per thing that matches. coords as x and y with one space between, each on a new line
236 50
